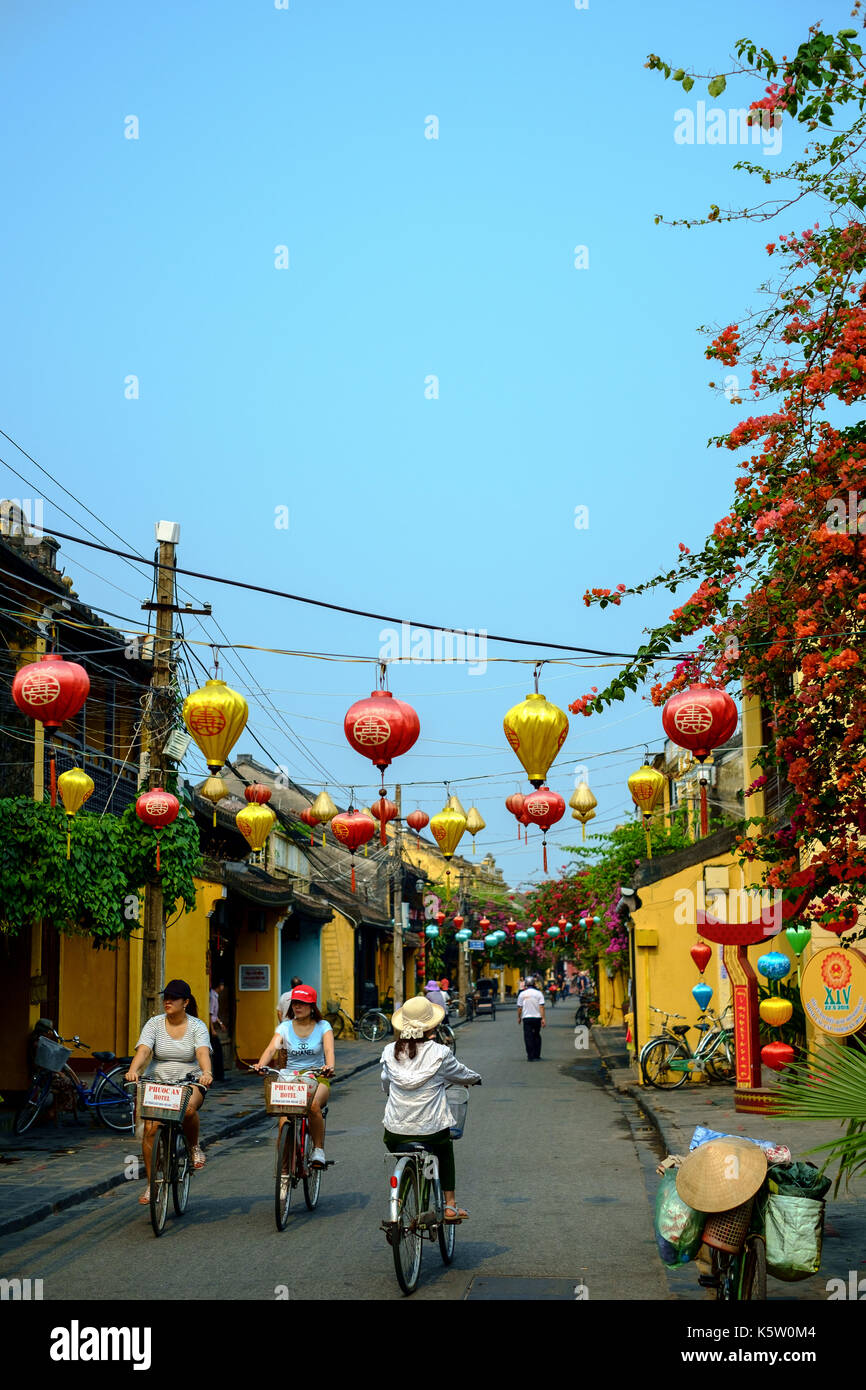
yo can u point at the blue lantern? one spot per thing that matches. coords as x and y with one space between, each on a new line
520 936
491 939
775 965
431 930
552 931
703 993
530 932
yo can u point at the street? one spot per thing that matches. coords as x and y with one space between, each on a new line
548 1169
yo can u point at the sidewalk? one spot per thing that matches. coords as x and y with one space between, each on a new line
59 1163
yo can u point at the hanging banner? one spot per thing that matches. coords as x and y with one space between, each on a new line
833 991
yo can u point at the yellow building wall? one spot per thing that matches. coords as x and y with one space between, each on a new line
255 1010
611 998
338 961
94 995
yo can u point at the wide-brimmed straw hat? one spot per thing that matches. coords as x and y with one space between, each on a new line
721 1174
417 1017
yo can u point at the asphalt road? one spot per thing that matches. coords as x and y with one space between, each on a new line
548 1169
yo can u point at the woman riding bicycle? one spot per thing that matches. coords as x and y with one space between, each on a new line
415 1073
175 1040
308 1040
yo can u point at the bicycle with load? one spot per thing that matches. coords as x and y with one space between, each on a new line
106 1095
668 1059
170 1158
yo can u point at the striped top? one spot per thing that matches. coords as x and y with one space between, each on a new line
173 1057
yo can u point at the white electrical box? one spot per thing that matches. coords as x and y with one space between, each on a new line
168 531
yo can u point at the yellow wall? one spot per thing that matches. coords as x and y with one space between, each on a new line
255 1010
338 961
612 993
94 994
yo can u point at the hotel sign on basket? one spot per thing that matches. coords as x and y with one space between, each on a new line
833 991
289 1093
163 1097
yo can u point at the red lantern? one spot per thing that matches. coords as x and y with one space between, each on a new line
458 922
700 954
537 924
514 804
562 921
381 728
417 820
511 924
158 809
440 917
50 691
309 819
777 1055
258 793
544 808
700 719
484 923
352 829
384 810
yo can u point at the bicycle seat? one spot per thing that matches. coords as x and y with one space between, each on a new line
414 1149
703 1027
104 1056
680 1029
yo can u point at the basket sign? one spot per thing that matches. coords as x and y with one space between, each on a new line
289 1093
163 1097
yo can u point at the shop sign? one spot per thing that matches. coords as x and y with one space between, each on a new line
476 945
254 977
833 991
163 1097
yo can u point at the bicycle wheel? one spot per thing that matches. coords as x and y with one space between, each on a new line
113 1103
287 1159
445 1034
160 1177
655 1064
753 1281
36 1098
447 1229
726 1272
406 1240
312 1176
374 1025
181 1170
722 1066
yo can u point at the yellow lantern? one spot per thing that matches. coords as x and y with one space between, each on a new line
216 717
324 810
775 1011
647 787
474 823
583 805
447 828
454 803
536 730
75 787
255 823
214 790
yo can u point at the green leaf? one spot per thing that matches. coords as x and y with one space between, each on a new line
688 83
717 86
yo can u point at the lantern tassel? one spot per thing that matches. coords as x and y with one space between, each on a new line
646 831
214 816
704 817
68 844
52 776
157 856
382 836
323 837
545 854
353 875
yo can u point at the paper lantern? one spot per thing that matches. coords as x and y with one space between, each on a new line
514 804
417 820
213 790
474 824
157 808
544 808
381 728
700 719
255 822
552 931
775 1011
491 939
799 938
215 716
521 936
700 954
431 930
530 932
75 787
456 805
458 921
463 935
51 691
384 811
703 994
324 811
775 965
647 788
352 829
257 792
583 805
536 730
447 828
777 1055
306 815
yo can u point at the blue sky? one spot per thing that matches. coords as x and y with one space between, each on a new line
304 388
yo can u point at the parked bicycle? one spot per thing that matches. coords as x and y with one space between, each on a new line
170 1159
291 1098
106 1095
667 1059
372 1025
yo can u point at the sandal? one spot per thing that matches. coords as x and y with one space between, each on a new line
459 1214
199 1158
144 1199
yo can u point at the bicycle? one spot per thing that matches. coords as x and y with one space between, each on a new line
667 1059
417 1206
170 1161
445 1034
585 1015
106 1095
372 1025
740 1276
291 1099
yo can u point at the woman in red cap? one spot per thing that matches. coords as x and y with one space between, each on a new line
309 1043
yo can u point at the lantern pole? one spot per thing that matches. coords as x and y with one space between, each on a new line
398 903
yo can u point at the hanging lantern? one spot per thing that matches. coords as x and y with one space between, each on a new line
703 993
255 822
431 930
700 719
381 728
491 940
306 815
511 924
799 938
777 1055
544 808
583 805
447 827
417 820
474 824
157 808
775 965
700 954
384 811
215 716
537 924
514 804
463 935
258 793
530 932
521 936
775 1011
647 788
536 730
440 918
552 931
75 787
352 829
454 803
51 691
458 921
214 790
324 810
484 923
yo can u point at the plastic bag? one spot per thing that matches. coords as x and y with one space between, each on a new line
776 1153
678 1227
798 1180
794 1229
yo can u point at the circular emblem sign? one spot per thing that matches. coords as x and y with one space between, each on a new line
371 730
207 720
40 689
833 991
693 719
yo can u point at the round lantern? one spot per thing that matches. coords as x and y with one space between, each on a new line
75 787
384 811
309 819
700 954
417 820
491 939
552 931
777 1055
353 829
157 808
775 1011
463 935
700 719
484 923
514 804
544 808
381 728
257 792
431 930
775 965
50 691
530 932
521 936
703 994
536 730
647 788
215 716
214 789
583 805
474 824
324 811
799 938
255 822
458 921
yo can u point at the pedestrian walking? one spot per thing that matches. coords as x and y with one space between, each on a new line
216 1026
530 1012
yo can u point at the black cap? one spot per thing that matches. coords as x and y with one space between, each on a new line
177 989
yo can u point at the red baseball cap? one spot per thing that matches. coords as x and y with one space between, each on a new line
304 994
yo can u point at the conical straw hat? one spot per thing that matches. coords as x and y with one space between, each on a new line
721 1174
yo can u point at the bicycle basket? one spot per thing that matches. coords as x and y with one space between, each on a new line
332 1006
51 1055
293 1097
458 1104
727 1230
161 1102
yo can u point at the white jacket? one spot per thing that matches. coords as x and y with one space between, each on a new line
415 1087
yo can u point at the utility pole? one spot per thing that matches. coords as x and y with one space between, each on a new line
398 903
463 957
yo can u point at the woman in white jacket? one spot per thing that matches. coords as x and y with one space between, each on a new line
415 1073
